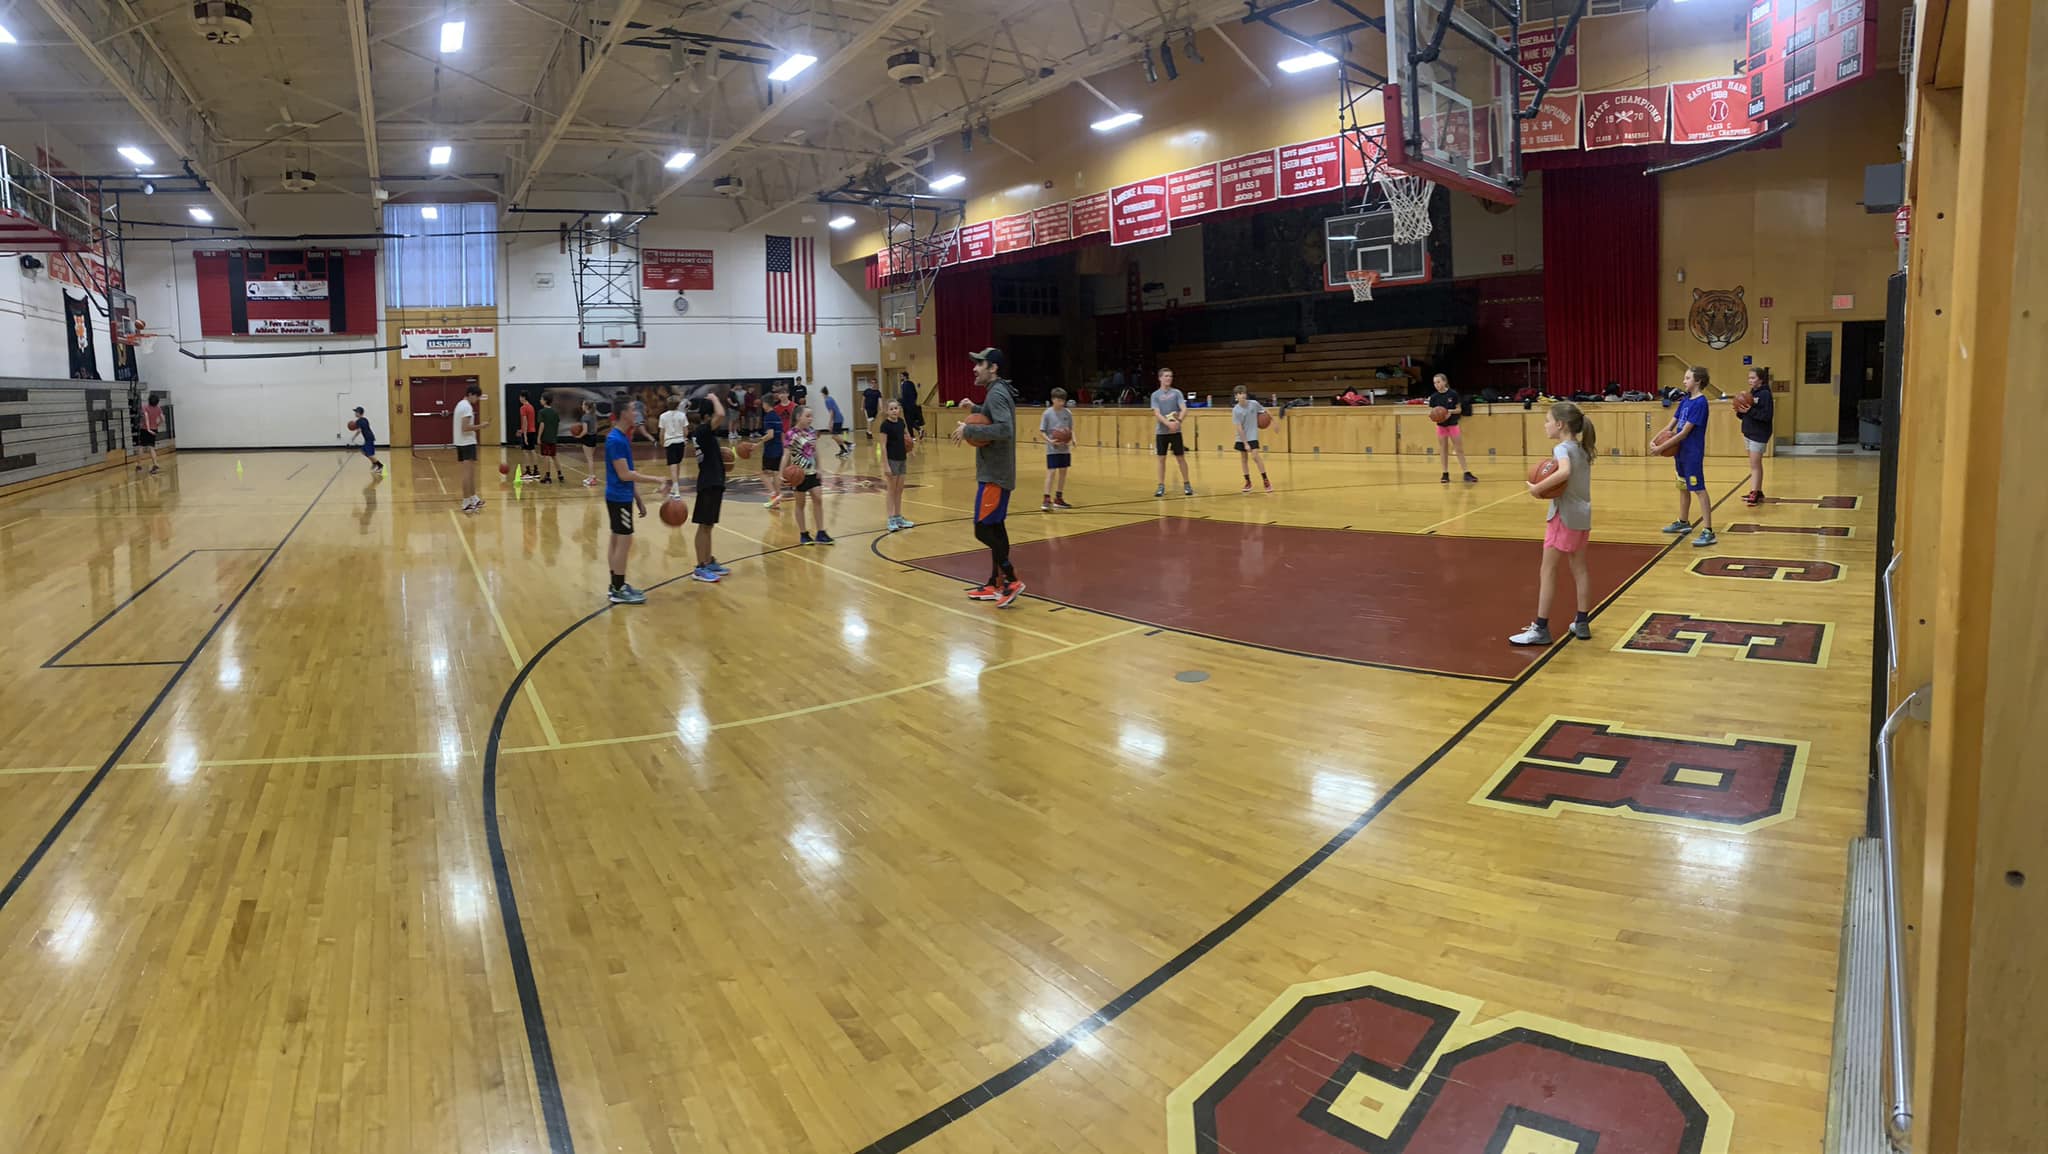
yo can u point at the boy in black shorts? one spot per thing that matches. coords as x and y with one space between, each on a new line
550 438
706 433
621 498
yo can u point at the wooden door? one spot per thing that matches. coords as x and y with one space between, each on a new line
433 409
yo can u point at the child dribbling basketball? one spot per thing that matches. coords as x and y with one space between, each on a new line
1244 420
1568 524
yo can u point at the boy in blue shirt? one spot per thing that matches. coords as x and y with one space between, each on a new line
771 450
838 420
621 499
1689 425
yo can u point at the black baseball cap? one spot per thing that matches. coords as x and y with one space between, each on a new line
359 410
991 357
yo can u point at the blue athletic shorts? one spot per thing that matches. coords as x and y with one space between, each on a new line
1691 471
991 504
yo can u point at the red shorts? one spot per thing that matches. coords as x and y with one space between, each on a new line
1556 536
547 448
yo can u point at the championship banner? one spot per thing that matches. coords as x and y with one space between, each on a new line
1013 233
288 327
1091 214
676 269
1253 178
285 290
1626 117
1137 212
1556 126
1705 111
444 344
1311 167
1053 224
977 241
1191 192
1535 47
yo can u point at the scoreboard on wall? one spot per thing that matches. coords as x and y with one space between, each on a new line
299 292
1799 49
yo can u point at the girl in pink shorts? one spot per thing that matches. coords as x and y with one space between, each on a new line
1568 524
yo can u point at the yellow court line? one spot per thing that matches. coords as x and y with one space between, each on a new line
32 770
1523 496
12 524
547 726
232 763
827 706
982 617
437 475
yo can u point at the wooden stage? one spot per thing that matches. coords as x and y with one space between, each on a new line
336 821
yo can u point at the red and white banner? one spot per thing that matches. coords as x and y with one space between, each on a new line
1253 178
1311 167
1091 214
445 344
1360 152
1626 117
1556 126
977 241
1536 46
1013 233
1053 224
1137 212
678 269
288 327
1191 192
285 290
1704 111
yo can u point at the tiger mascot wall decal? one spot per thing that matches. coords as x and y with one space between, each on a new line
1718 317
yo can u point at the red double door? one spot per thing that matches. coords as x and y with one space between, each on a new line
433 408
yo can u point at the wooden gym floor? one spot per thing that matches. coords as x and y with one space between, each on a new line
335 821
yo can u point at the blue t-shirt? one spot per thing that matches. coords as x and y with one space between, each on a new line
771 433
1693 411
832 407
363 427
617 447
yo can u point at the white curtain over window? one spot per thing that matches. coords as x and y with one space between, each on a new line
448 261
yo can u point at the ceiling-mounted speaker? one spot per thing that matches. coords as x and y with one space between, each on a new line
910 66
223 21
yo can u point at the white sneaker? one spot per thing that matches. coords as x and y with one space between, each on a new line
1532 635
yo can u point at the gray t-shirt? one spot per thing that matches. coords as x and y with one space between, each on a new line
1575 505
1057 419
1165 402
1246 419
995 444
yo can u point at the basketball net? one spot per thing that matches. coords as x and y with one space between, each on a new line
1362 280
1409 197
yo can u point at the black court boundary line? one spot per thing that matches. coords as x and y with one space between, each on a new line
92 784
129 600
946 1113
547 1080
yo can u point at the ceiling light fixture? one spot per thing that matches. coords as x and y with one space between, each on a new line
1188 49
201 215
451 35
1115 122
1166 59
680 160
135 156
439 155
429 212
950 180
967 138
1304 63
840 222
609 218
1151 73
791 67
6 37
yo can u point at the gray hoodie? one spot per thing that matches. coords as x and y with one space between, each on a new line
995 444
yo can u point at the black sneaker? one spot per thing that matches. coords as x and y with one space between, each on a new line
1472 479
1446 478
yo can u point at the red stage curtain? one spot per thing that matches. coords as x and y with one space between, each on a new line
963 305
1600 278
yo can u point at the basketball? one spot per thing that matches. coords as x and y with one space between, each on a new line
1666 445
975 419
1439 414
909 446
1059 436
576 430
1265 419
674 511
725 454
792 474
1172 425
745 449
504 470
352 423
1543 475
1743 402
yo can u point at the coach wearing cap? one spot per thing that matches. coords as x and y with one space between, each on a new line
994 437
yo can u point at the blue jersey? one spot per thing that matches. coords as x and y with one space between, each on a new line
617 447
771 433
1693 411
832 407
363 427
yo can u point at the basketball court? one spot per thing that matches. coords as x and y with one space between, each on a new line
343 811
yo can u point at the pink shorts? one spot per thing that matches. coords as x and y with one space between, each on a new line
1446 432
1556 536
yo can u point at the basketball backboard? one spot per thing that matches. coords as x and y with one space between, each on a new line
1451 113
1365 240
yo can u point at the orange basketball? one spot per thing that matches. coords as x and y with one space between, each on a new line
1543 475
1172 425
792 474
1059 436
504 470
674 511
745 449
909 446
725 454
576 430
352 424
1664 444
1743 402
1439 414
976 419
1265 419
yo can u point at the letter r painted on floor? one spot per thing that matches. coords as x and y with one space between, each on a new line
1571 763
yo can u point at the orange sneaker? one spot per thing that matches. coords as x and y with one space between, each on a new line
1011 592
984 593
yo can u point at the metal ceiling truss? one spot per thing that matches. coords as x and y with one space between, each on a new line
125 51
1338 37
917 228
572 102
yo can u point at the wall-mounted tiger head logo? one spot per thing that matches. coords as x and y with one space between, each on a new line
1718 317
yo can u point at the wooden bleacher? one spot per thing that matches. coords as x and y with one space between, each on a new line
1319 366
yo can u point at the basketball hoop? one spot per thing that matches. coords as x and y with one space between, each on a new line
1362 280
1409 197
614 344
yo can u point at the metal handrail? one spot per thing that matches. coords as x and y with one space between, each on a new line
1891 614
1915 705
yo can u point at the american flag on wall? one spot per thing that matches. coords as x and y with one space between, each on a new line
792 285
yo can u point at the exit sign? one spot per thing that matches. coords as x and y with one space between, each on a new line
1842 301
1763 302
